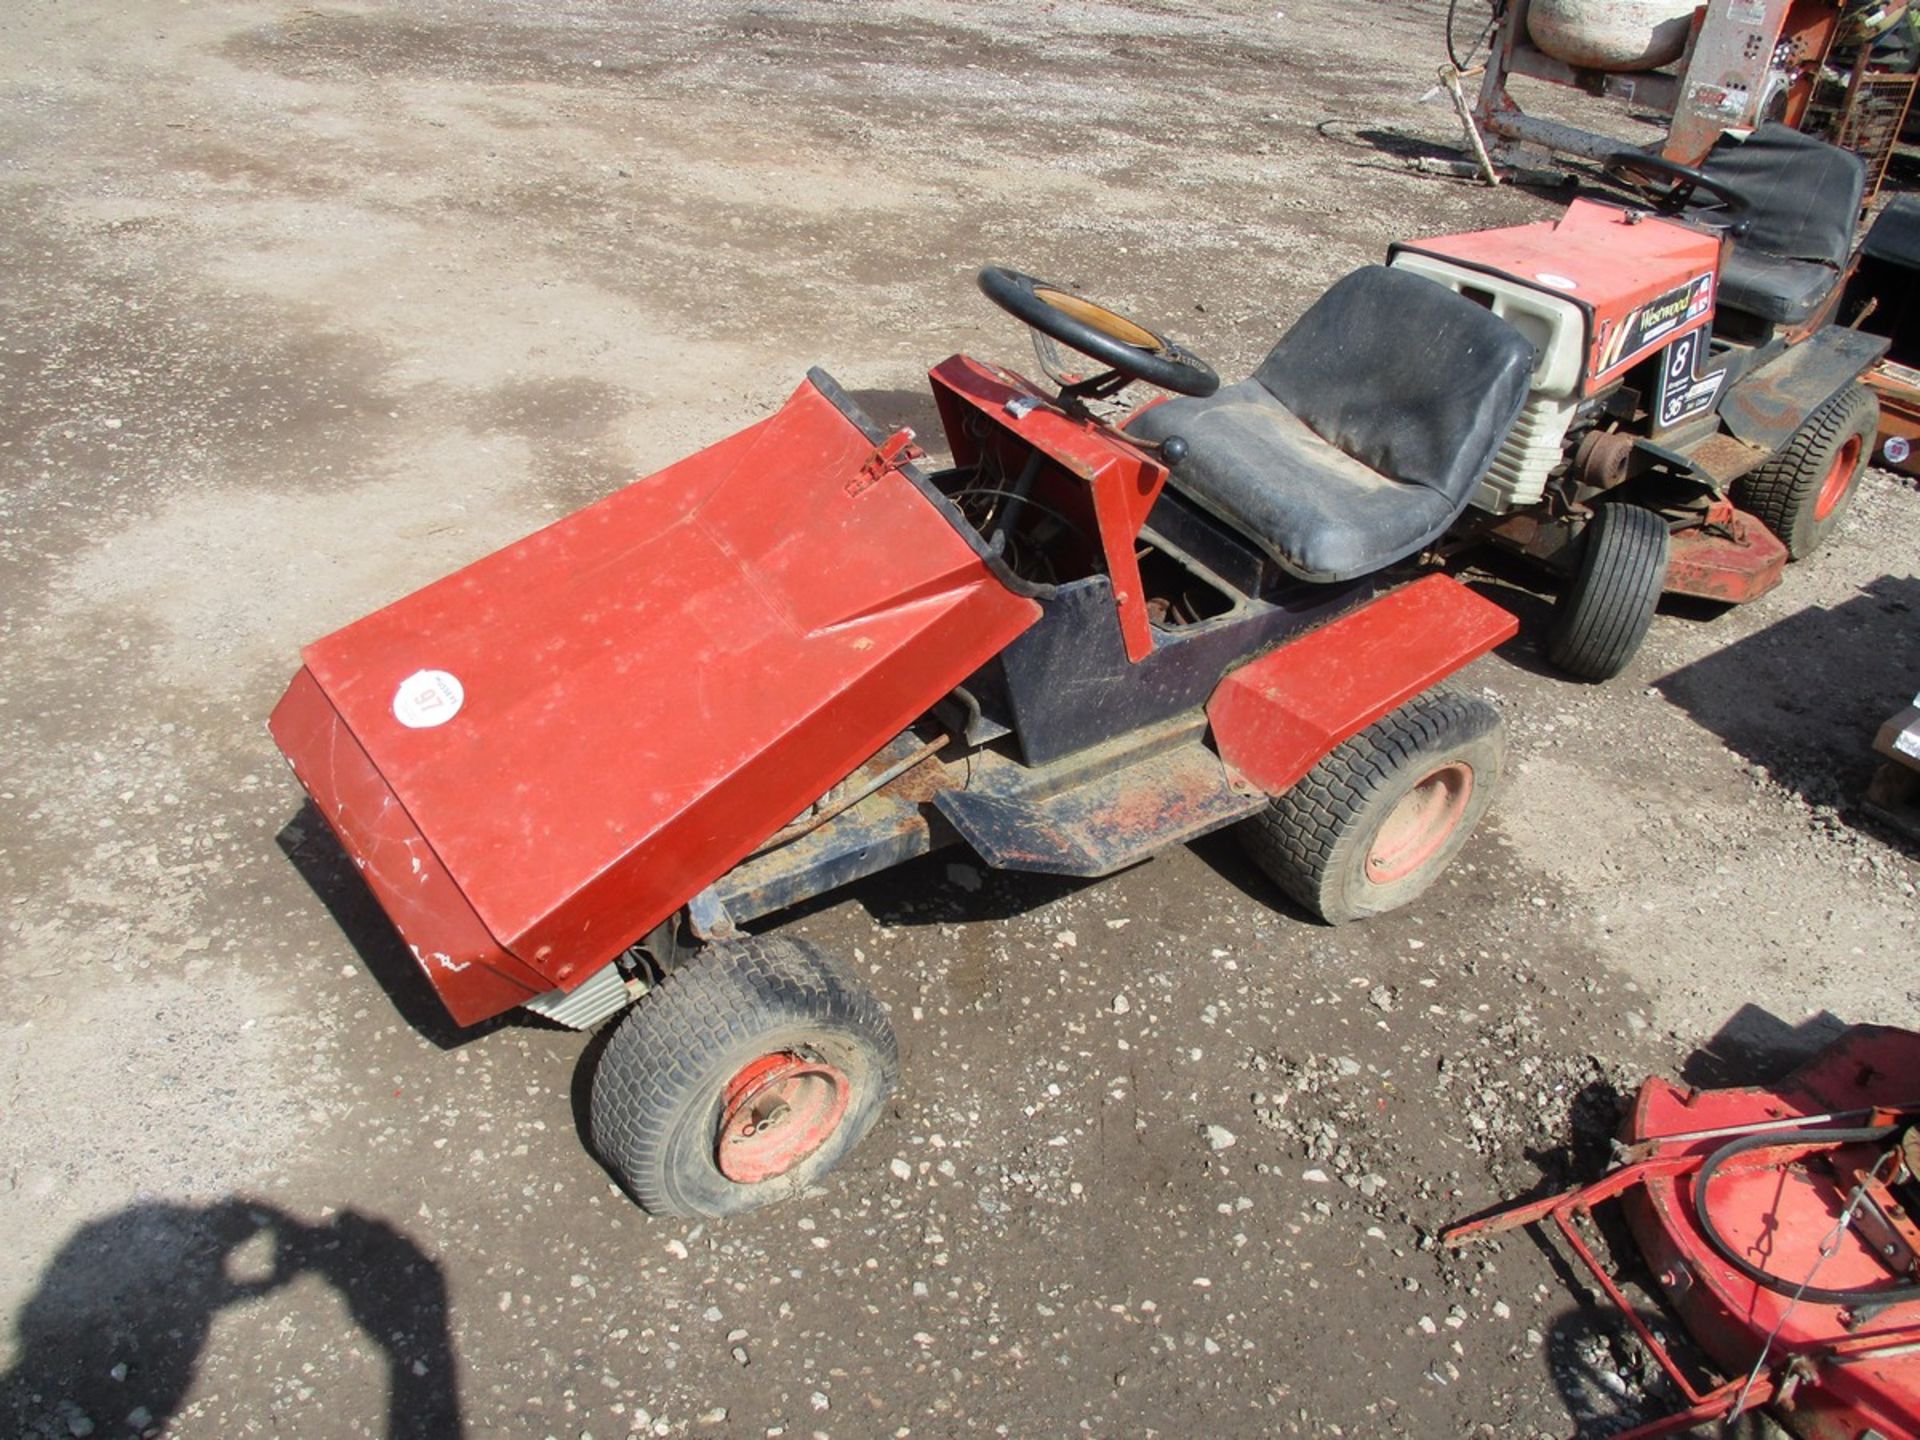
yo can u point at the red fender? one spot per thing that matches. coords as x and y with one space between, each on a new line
1274 719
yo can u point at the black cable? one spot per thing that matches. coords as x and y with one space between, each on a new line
1493 23
1805 1140
1031 504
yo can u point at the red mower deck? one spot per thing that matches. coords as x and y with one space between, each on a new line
1776 1223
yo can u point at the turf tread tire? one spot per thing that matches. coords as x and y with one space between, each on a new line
1313 840
657 1091
1783 493
1602 617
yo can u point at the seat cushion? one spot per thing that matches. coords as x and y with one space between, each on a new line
1787 292
1805 193
1895 236
1321 514
1363 433
1805 198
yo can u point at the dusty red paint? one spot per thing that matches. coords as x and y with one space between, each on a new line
1275 718
652 686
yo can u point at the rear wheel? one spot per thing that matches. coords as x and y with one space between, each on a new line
1375 822
1601 618
1801 493
745 1075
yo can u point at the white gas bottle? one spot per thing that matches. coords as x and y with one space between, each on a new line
1611 34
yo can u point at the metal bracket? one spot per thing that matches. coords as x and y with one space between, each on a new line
890 454
707 917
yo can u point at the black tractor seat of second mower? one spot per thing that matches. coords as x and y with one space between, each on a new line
1362 435
1806 197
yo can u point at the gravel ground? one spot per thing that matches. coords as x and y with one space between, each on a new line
306 306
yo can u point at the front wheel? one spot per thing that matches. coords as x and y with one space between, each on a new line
747 1074
1801 493
1376 821
1601 618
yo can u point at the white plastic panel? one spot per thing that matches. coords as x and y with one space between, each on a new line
1554 325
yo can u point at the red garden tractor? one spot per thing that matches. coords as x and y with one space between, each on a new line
1696 418
583 774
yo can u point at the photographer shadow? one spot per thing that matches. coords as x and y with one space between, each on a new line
111 1339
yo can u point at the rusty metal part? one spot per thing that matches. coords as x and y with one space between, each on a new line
1624 1153
1568 1210
1451 76
777 1111
1103 808
1883 1222
1735 559
1764 408
807 824
1546 539
1721 458
1603 459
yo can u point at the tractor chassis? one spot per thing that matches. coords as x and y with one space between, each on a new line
1724 554
1098 811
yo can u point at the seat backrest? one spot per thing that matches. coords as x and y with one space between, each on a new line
1895 236
1806 193
1408 377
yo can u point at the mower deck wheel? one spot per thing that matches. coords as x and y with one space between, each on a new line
747 1074
1801 493
1601 618
1375 822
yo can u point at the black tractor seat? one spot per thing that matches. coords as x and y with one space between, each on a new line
1361 437
1806 197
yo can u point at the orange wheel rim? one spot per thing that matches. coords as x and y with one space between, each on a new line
776 1112
1839 478
1418 827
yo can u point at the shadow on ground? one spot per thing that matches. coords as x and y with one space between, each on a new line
309 842
1803 697
1755 1046
110 1341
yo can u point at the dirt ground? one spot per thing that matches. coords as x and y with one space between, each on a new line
304 306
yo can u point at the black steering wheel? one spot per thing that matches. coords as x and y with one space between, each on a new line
1125 347
1680 182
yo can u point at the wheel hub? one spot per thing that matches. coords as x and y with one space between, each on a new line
1838 478
1416 828
776 1112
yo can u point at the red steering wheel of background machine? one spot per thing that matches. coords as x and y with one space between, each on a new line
1115 341
1681 182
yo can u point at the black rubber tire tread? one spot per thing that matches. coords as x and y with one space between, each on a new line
1782 493
1313 841
655 1107
1601 618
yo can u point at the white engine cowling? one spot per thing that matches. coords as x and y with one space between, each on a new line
1611 34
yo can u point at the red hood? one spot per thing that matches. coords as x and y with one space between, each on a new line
640 694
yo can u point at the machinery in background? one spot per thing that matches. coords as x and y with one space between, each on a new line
1883 298
1894 794
1696 417
1724 65
1778 1223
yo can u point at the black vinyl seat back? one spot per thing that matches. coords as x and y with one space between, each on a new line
1888 281
1806 197
1362 435
1404 375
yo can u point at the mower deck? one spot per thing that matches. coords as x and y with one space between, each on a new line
1808 1181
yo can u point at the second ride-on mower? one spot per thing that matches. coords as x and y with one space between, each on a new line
574 772
1696 418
